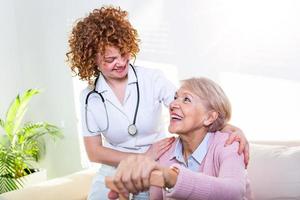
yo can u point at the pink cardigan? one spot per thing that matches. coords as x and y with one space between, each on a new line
221 175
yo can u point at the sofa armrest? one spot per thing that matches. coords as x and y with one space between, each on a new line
72 187
274 170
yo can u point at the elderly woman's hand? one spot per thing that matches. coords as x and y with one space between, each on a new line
133 174
238 135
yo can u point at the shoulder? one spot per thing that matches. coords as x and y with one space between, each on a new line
218 140
219 153
149 72
165 159
156 77
84 93
219 137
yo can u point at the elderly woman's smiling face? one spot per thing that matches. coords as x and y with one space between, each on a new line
188 112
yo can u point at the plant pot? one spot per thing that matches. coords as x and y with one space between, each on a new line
39 175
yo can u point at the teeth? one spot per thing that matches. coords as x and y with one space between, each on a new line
176 117
119 68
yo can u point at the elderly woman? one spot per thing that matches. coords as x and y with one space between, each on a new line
198 165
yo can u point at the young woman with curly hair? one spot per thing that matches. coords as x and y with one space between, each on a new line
121 107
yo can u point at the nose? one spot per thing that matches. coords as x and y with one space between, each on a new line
122 60
174 104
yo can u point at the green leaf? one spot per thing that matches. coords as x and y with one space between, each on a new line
22 145
16 112
9 184
32 131
8 181
1 123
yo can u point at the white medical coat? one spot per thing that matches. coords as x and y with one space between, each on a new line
155 90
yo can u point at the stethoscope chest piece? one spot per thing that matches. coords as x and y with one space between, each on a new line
132 130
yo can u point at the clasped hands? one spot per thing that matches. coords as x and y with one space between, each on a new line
133 176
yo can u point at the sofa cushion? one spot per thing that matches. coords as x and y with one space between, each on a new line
274 171
73 187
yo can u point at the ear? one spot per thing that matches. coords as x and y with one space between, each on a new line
211 116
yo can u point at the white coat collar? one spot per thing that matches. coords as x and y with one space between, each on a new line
102 85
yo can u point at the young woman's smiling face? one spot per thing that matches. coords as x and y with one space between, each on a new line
112 64
188 112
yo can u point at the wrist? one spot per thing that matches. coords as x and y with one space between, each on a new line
170 177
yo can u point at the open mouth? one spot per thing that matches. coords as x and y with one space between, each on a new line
176 117
119 69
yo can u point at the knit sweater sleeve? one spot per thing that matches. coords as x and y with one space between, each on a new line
229 184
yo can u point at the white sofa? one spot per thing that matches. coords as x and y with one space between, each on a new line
274 172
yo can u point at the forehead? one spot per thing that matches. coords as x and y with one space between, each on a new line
185 91
111 50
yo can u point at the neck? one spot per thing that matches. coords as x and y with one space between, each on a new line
191 141
115 83
118 86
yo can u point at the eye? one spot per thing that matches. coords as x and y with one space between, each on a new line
186 100
109 60
175 97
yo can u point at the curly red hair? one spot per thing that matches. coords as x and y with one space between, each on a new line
107 26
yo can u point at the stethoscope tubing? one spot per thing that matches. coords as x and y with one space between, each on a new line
103 101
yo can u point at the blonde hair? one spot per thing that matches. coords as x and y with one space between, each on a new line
214 98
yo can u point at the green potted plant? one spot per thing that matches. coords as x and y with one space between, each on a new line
21 144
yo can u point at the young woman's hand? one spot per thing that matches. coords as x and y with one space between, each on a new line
112 195
157 149
238 136
133 174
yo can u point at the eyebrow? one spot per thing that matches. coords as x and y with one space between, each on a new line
110 56
186 93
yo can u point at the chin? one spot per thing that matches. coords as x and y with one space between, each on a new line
173 129
121 76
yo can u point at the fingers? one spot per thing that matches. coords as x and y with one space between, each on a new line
242 144
145 177
136 177
238 136
120 186
122 177
246 155
164 147
133 174
112 195
166 142
155 149
146 172
163 150
142 172
231 139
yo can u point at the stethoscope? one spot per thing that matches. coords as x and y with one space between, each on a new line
132 129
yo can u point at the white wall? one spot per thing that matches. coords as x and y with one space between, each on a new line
251 48
37 31
9 66
43 32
